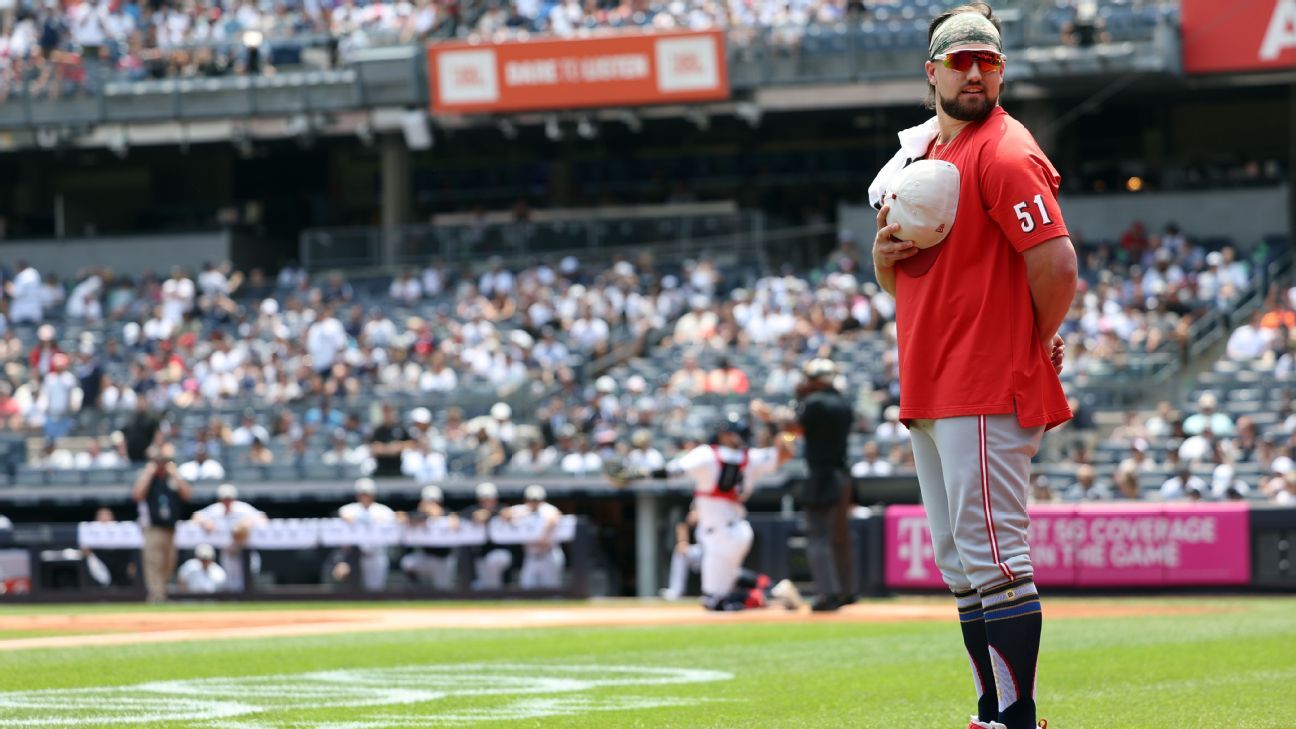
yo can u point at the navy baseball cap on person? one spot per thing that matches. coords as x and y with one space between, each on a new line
735 423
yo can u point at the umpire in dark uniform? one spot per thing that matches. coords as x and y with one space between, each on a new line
825 417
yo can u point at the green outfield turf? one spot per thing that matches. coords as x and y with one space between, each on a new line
1230 668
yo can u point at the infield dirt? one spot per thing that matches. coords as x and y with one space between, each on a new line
164 627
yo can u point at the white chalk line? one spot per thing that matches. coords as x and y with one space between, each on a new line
531 691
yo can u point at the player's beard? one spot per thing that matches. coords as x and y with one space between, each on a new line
969 108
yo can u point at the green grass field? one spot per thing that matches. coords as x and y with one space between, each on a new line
1229 668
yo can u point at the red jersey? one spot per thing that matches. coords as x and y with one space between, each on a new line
964 315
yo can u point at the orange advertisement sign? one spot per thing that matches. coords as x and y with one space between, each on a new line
1255 35
551 74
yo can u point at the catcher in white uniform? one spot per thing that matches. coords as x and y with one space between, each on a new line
725 474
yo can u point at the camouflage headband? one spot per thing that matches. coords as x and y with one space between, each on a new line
964 29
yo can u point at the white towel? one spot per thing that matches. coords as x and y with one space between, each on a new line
914 143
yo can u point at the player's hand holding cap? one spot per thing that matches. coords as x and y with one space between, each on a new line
923 198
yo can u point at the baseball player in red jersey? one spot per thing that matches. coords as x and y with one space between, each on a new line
977 317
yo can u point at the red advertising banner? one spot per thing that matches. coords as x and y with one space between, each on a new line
1112 545
551 74
1252 35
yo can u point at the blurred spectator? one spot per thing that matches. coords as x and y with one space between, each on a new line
690 380
1131 429
1087 487
94 456
25 295
388 441
1127 485
726 379
642 454
489 454
698 324
1182 485
422 463
872 463
202 468
342 452
534 458
891 430
59 399
1161 424
1207 418
259 454
783 377
1138 460
1086 28
582 461
249 430
1249 341
201 575
1041 490
1247 442
1226 485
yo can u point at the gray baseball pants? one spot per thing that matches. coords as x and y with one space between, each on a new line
974 474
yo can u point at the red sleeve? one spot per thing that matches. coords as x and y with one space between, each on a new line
1019 186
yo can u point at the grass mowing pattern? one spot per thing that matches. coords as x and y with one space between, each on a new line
1234 669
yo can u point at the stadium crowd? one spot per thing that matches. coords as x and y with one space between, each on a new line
57 49
245 373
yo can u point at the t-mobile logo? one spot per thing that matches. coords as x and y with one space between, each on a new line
915 547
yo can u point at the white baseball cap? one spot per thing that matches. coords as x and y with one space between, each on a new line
487 490
924 200
205 551
226 491
365 486
501 411
432 493
534 492
820 368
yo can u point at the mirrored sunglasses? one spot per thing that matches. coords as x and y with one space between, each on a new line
961 61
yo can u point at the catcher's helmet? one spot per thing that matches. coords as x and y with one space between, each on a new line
734 423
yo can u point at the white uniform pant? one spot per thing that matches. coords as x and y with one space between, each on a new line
440 571
724 547
231 560
974 473
490 569
542 568
682 563
373 569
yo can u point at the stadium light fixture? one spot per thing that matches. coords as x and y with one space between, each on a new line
699 119
586 129
242 142
749 112
552 131
631 120
117 142
365 133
